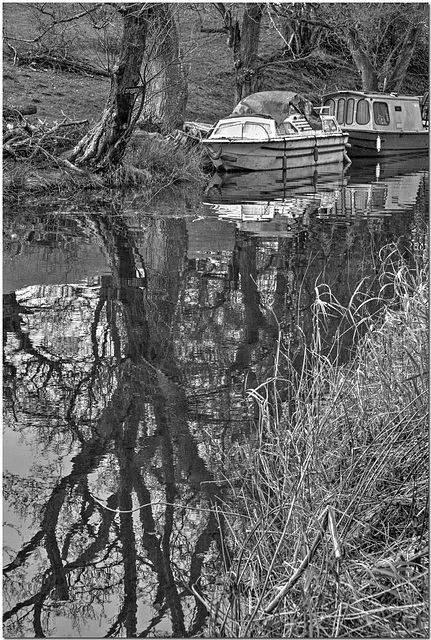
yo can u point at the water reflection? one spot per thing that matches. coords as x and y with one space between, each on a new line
271 200
130 341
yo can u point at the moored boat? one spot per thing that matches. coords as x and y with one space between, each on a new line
380 123
276 130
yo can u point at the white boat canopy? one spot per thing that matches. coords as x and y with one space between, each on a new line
278 105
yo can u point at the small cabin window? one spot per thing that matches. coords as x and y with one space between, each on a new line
362 112
340 110
381 113
350 110
398 107
331 104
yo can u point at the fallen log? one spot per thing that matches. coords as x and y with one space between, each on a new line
65 63
17 112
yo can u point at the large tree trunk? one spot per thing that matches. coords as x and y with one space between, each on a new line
396 79
104 145
165 76
362 62
247 77
245 45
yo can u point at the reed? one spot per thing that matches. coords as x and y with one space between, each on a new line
331 534
163 163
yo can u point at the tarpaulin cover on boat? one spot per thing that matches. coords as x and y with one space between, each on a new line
278 105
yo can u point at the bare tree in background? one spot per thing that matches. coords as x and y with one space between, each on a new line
381 37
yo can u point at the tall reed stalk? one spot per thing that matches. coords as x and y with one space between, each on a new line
332 528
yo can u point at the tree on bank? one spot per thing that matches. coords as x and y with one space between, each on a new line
148 81
164 73
104 145
244 42
382 38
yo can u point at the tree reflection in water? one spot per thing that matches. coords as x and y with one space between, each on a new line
118 402
137 384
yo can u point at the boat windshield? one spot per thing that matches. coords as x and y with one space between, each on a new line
244 129
329 124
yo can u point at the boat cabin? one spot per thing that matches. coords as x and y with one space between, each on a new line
359 110
265 128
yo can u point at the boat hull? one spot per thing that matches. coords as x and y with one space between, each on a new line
366 143
264 185
277 155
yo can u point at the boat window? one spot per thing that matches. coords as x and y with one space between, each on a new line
381 113
230 130
286 128
256 130
362 112
350 110
397 107
331 104
250 130
329 125
340 110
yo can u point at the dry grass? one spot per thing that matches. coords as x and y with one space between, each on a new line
332 541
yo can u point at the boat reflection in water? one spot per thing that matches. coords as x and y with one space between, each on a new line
273 203
276 204
379 189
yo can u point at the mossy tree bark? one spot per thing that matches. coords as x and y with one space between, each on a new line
103 147
247 76
166 81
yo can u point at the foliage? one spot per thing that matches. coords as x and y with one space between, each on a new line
332 540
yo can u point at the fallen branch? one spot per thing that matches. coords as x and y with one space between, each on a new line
64 63
18 112
27 141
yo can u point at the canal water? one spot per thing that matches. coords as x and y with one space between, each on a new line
130 336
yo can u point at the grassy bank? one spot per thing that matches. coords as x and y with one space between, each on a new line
332 540
149 168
